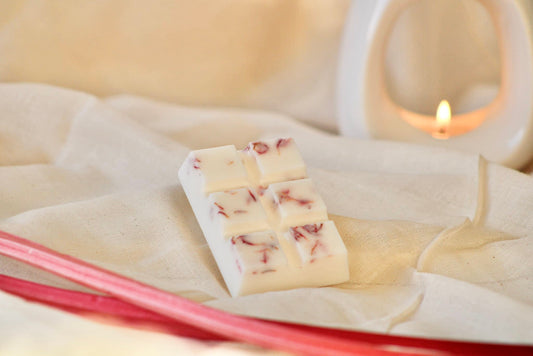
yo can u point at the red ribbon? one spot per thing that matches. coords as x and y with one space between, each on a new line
138 303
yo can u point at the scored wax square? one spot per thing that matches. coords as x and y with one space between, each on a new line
265 223
316 241
237 211
219 168
273 160
294 202
258 252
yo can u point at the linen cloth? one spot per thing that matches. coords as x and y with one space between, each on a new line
439 242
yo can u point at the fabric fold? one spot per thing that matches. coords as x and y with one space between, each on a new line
429 231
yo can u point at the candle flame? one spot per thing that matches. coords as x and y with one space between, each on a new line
444 114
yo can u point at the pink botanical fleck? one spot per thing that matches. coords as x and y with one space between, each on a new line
221 210
315 247
266 250
284 195
313 228
239 211
230 163
268 270
264 259
260 147
305 202
242 239
196 163
238 265
282 142
261 190
252 195
297 234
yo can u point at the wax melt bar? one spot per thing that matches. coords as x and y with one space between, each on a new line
265 223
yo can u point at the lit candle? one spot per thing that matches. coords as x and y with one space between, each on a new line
441 126
444 116
502 131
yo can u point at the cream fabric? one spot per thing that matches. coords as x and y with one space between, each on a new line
439 242
30 329
270 54
274 54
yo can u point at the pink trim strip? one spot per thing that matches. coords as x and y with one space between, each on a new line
87 303
81 303
235 327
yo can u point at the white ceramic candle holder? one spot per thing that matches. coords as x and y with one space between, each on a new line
365 108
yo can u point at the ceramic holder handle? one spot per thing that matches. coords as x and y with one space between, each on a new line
365 108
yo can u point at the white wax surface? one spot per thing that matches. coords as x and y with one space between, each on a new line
263 236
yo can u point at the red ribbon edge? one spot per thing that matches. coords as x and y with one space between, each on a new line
165 316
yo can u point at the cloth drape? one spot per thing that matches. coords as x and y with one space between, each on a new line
439 241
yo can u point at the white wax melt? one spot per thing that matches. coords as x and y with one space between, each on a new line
265 223
217 168
273 160
237 211
295 202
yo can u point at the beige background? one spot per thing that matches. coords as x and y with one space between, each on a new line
271 54
215 52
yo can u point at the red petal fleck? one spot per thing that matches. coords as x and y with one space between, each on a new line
241 238
196 163
265 256
268 270
239 211
261 190
282 142
313 228
284 195
252 195
297 234
222 213
304 202
260 147
221 210
315 246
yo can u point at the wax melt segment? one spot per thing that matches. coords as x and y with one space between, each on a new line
237 211
265 223
273 160
217 168
296 202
